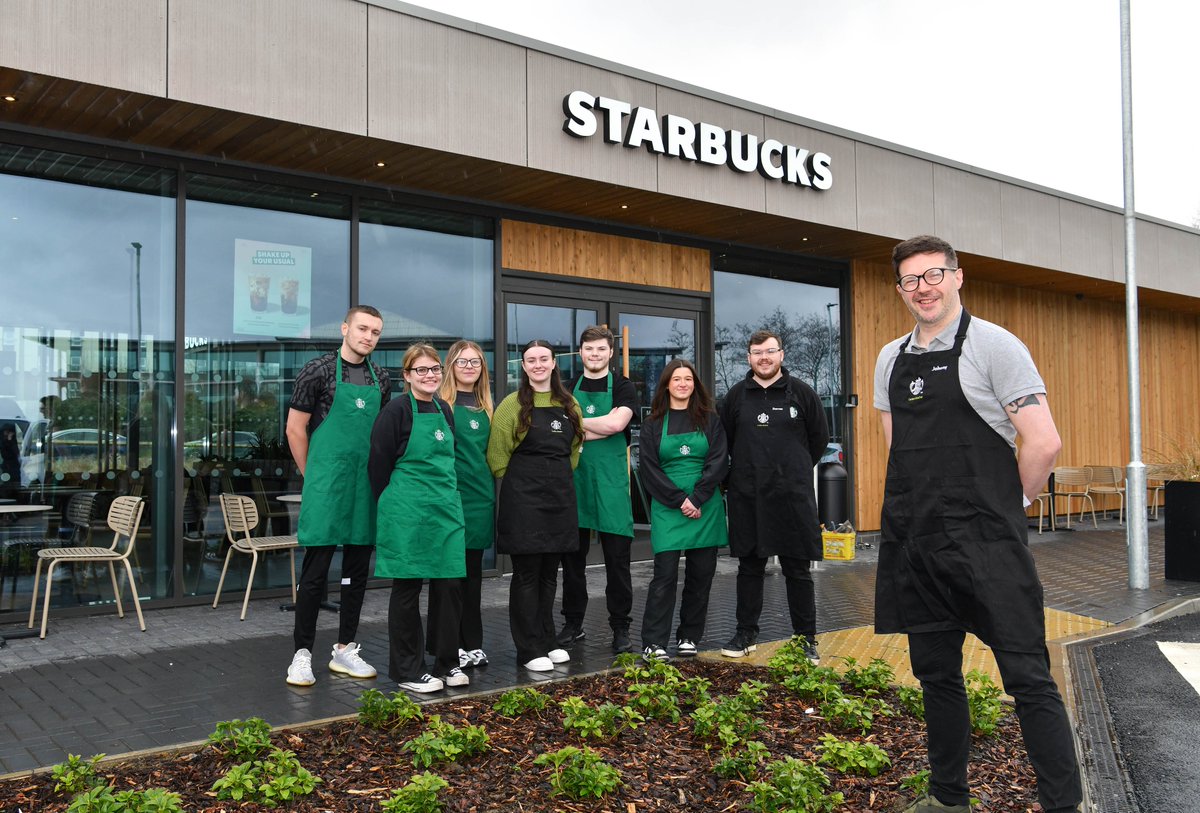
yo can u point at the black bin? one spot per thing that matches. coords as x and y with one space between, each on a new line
832 501
1181 550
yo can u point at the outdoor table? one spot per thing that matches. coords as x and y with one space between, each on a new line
288 498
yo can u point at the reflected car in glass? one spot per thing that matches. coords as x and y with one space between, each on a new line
69 451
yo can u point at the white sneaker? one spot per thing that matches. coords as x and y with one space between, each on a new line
347 661
654 653
539 665
478 657
464 659
456 677
424 685
558 656
300 673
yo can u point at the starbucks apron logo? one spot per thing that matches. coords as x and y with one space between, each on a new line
795 412
685 450
556 425
917 386
763 417
439 435
591 409
474 424
360 403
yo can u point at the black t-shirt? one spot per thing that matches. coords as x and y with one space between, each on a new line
624 394
314 389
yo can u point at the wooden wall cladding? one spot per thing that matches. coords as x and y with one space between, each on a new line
1079 348
590 255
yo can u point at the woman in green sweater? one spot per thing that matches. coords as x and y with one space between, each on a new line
534 447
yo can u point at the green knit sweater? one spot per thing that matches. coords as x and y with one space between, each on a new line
502 441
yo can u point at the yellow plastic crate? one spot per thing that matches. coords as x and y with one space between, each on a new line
839 547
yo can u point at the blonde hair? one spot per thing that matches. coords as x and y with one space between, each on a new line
416 351
483 386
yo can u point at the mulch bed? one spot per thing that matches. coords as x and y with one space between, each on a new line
664 766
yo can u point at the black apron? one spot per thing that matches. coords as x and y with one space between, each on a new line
954 552
772 507
537 495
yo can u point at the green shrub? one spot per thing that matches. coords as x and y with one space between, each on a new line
876 676
913 700
419 795
789 659
76 774
377 710
793 787
443 742
818 683
852 757
276 779
983 698
658 701
604 721
855 713
916 783
102 799
730 720
579 773
741 762
518 701
242 740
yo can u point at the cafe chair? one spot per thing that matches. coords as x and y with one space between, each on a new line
124 519
1078 477
268 508
1156 483
1108 480
241 518
78 516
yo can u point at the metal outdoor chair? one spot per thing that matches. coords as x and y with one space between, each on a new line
1109 480
1078 478
78 516
269 509
241 518
1156 483
124 519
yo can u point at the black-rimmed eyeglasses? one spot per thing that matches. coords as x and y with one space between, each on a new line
464 363
910 282
424 371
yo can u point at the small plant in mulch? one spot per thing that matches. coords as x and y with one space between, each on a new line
419 795
445 742
983 698
876 676
377 710
849 713
76 774
242 740
916 783
792 786
276 779
846 756
912 699
102 799
579 773
516 702
605 721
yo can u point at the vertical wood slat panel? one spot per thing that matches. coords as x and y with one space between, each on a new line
1079 348
591 255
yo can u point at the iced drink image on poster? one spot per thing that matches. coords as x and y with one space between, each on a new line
272 289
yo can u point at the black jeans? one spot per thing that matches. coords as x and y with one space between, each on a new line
937 663
531 603
469 634
406 638
618 588
701 564
314 573
802 602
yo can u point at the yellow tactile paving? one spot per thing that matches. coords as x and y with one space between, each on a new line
864 645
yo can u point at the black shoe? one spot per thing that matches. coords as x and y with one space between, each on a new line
621 642
571 632
740 645
810 652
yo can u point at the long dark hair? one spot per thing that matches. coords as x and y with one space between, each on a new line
558 393
700 405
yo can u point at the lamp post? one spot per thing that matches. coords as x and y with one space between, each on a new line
829 306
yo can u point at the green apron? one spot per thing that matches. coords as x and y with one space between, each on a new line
337 506
602 478
476 486
682 460
421 533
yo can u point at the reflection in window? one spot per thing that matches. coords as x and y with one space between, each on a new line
558 325
268 279
87 372
805 316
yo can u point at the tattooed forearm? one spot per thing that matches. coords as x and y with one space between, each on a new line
1028 400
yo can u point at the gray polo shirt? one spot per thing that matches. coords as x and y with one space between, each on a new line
995 369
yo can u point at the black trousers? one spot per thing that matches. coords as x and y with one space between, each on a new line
701 564
618 588
314 574
937 663
406 638
531 603
802 601
470 632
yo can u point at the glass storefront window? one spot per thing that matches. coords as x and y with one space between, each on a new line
268 282
87 372
804 315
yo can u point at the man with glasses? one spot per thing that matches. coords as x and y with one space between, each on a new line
334 404
609 401
954 395
775 424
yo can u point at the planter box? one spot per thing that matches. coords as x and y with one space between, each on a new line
1182 531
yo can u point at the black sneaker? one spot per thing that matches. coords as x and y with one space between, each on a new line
740 645
571 632
686 648
621 642
810 652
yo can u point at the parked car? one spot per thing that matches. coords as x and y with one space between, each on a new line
229 445
69 451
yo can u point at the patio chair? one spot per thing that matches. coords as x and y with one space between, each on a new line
241 518
1108 480
1156 483
1077 477
270 509
124 518
78 516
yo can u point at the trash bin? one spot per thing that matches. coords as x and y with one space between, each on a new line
832 502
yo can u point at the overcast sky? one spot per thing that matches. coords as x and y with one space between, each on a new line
1025 88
